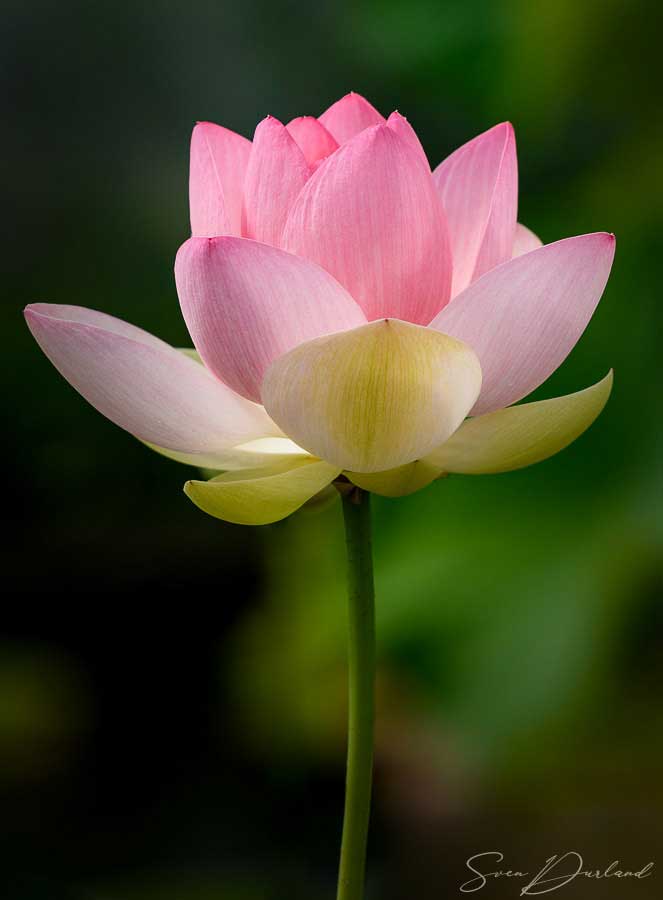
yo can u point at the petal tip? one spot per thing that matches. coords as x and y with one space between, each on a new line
36 311
269 121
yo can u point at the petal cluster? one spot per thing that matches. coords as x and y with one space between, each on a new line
354 314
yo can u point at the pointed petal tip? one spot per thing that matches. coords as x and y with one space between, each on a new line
55 312
608 236
37 316
605 239
269 119
348 116
505 126
37 309
204 125
519 436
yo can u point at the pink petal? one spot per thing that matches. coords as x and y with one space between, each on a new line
247 303
524 241
216 180
400 125
276 173
370 216
350 115
478 185
313 139
524 317
142 384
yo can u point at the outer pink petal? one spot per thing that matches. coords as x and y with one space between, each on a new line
370 215
400 125
524 317
524 241
247 303
350 115
313 139
478 185
276 173
142 384
216 180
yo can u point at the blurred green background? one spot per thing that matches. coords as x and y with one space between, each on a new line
172 688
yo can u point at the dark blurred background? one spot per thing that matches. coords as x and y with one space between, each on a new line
172 688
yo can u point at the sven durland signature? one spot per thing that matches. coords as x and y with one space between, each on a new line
557 871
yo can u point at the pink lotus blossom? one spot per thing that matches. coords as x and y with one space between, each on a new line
351 309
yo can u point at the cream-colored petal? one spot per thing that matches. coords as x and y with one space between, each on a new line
521 435
261 496
253 454
397 482
374 397
192 353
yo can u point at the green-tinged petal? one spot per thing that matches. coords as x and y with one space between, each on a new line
255 454
397 482
191 353
518 436
375 397
261 496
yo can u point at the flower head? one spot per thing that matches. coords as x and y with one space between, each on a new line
353 314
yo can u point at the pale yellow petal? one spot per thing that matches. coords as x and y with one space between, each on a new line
255 454
396 482
519 436
191 353
375 397
261 496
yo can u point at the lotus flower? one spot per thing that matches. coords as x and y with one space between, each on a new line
354 314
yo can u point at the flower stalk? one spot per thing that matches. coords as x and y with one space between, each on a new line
361 682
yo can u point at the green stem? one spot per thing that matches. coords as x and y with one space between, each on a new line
361 676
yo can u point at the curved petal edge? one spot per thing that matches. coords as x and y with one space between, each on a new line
246 303
375 397
261 496
524 317
142 384
522 435
398 482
